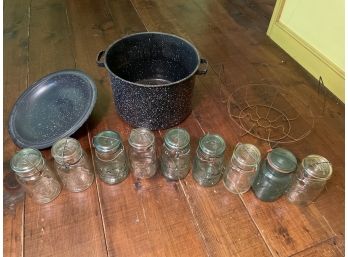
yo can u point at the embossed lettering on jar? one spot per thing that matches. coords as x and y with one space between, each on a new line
111 161
208 162
38 180
310 180
142 153
72 165
175 155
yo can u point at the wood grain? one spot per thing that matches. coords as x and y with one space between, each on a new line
325 249
319 230
16 24
140 213
213 229
71 224
156 217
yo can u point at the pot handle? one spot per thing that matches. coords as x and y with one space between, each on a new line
100 59
204 70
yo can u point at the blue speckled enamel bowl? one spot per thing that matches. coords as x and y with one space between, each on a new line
52 108
152 77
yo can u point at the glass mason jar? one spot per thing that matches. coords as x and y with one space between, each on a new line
208 162
142 153
310 180
275 175
175 156
72 164
111 160
242 168
37 179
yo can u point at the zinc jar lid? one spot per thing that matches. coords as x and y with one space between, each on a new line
212 144
282 160
177 138
26 160
317 167
141 138
107 141
247 155
66 151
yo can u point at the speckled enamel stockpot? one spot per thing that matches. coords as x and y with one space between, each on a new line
152 77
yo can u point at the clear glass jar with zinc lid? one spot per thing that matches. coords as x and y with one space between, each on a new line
208 162
142 153
242 168
175 155
37 179
310 180
275 175
111 160
72 164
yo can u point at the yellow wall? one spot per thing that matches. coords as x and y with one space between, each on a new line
320 23
312 32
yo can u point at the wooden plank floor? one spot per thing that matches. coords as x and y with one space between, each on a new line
156 217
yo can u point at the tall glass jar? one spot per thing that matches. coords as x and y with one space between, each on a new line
37 179
242 168
274 176
175 155
310 180
72 164
111 160
208 162
142 153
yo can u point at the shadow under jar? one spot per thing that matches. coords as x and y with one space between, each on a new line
37 179
72 164
310 180
175 155
242 168
142 153
275 175
208 162
111 160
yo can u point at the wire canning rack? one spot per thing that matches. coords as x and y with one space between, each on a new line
269 113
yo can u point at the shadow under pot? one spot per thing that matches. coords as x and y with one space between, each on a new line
152 77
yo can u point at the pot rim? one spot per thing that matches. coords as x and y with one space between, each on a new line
160 33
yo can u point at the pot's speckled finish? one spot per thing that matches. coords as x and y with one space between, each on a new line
152 77
153 107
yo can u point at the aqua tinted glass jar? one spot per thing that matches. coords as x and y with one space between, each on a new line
111 160
208 162
275 175
175 154
310 180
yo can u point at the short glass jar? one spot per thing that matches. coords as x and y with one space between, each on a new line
242 168
175 155
275 175
208 162
310 180
142 153
72 164
37 179
111 160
